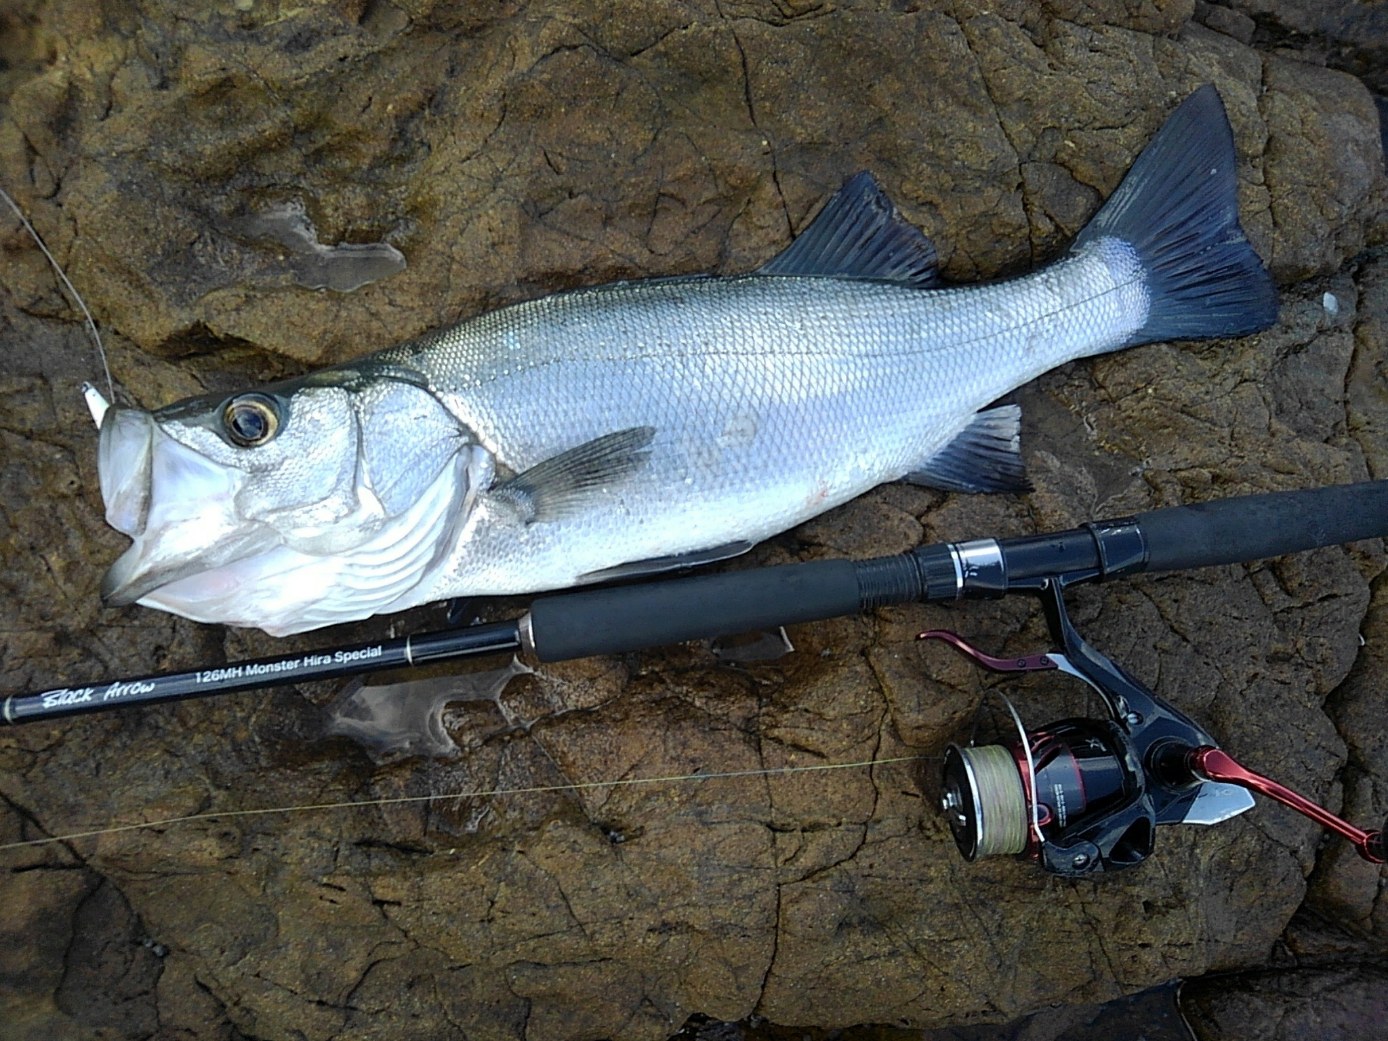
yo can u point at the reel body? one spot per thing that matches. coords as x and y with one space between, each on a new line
1082 795
1079 795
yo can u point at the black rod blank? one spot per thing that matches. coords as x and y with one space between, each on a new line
405 651
619 619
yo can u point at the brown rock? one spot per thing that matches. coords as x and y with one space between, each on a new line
1343 34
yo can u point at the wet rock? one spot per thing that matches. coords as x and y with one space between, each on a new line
1343 34
663 835
1341 1004
289 232
1152 1015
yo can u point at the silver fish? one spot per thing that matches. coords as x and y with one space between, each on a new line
640 426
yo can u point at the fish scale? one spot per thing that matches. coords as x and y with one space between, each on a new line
631 428
856 351
865 383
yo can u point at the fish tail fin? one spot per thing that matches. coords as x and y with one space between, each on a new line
1177 208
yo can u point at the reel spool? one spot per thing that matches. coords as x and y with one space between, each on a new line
1045 793
984 801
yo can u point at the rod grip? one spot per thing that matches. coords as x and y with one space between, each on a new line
628 618
1258 527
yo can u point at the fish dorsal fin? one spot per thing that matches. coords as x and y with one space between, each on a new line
860 234
564 484
985 456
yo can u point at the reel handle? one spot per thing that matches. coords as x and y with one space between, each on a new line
1213 764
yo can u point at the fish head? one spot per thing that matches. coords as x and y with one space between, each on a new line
290 506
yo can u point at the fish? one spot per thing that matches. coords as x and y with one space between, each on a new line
636 427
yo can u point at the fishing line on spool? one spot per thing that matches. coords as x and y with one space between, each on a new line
986 797
397 800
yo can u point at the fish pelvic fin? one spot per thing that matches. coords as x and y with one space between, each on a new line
665 565
568 482
860 234
1177 209
986 456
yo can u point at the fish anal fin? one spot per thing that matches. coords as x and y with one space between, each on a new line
566 483
860 234
985 457
674 562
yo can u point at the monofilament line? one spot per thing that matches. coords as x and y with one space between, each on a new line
72 290
399 800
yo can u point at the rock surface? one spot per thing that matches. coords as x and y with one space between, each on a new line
1324 981
513 149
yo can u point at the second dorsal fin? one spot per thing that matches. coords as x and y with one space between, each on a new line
860 234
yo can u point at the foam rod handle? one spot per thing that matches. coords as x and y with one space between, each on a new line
656 614
1257 527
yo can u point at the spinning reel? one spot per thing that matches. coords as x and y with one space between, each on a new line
1083 795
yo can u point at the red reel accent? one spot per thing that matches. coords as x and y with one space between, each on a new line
1217 765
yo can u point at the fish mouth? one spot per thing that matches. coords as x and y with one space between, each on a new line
176 505
123 457
139 574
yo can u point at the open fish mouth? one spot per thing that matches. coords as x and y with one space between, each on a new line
177 506
205 547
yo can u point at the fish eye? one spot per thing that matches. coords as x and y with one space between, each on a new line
251 420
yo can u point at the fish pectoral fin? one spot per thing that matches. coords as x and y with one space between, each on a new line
566 483
674 562
986 456
860 234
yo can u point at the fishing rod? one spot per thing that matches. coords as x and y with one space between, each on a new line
1077 796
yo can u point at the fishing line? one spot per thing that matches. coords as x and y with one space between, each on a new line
398 800
72 290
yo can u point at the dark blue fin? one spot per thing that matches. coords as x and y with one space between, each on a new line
674 562
860 234
1178 209
564 484
985 457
